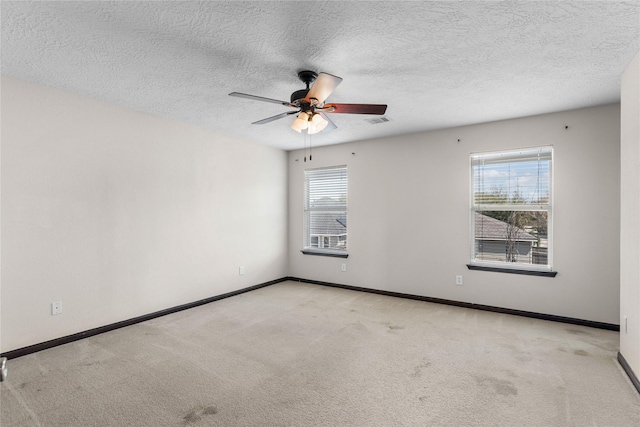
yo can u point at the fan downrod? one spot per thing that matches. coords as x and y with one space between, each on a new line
298 96
307 77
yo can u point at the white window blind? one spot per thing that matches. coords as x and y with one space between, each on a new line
511 208
325 209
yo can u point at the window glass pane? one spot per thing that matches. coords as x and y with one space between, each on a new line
325 220
327 189
522 177
332 226
511 207
512 236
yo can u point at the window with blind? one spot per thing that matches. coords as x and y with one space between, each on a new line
511 209
325 211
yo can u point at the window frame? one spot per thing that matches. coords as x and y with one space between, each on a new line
321 238
504 266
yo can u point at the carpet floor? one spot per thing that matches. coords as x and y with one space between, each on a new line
295 354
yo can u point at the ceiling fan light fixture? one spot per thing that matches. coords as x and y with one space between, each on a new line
311 99
317 124
301 122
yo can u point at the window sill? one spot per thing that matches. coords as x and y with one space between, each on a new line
543 273
325 252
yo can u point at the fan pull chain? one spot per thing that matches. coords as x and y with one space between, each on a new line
307 137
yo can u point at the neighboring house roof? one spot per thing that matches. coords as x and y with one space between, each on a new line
328 224
488 228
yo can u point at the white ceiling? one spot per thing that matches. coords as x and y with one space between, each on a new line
436 64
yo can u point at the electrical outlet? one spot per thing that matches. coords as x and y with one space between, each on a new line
56 308
241 270
625 324
459 280
344 267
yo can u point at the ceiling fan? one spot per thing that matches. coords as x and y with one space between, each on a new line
311 106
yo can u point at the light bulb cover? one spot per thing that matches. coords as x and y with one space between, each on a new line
317 124
301 122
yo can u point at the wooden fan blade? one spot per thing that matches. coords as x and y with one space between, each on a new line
273 118
330 125
322 87
378 109
261 98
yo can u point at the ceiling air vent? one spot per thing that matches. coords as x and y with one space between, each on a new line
378 120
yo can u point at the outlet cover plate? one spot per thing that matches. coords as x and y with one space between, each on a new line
56 308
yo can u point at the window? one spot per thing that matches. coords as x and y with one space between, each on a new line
325 211
511 212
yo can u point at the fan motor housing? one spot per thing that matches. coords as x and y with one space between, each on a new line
299 95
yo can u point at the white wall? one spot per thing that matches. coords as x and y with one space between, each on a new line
119 214
630 217
408 214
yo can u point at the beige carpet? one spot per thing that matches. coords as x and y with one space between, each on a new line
295 354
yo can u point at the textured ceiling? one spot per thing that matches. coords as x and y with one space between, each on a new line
436 64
